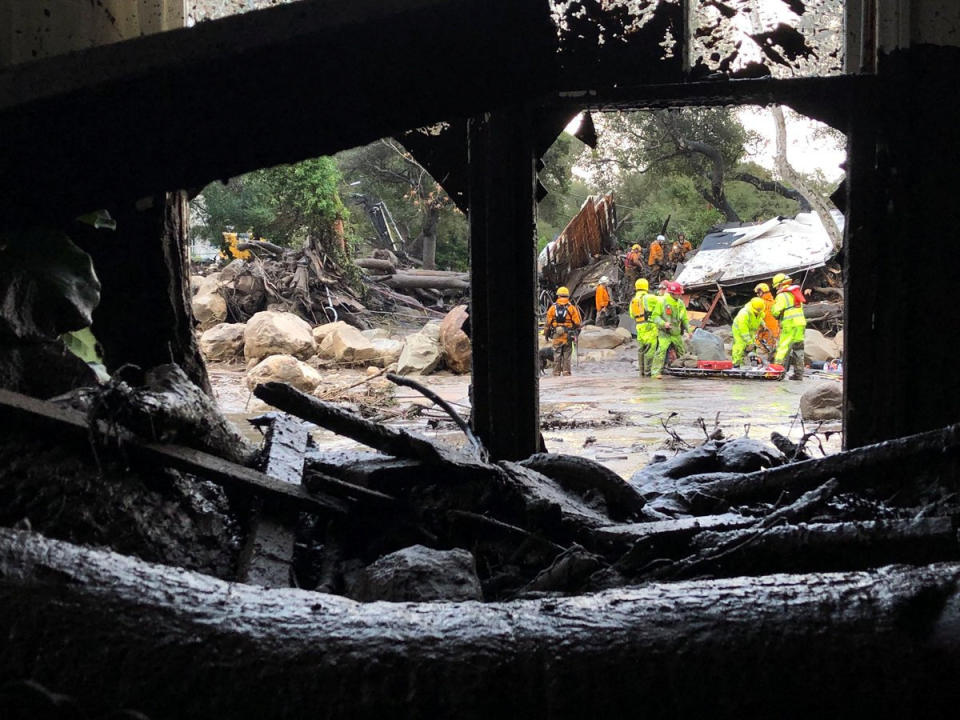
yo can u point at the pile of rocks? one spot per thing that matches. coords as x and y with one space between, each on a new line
281 346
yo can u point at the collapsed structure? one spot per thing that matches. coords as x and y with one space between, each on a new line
182 643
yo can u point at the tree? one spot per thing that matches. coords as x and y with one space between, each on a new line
388 171
286 204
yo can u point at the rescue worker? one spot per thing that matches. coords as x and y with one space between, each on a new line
770 330
642 308
602 301
670 318
745 326
633 264
678 251
655 256
788 309
561 327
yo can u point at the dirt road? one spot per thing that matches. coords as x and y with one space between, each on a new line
604 411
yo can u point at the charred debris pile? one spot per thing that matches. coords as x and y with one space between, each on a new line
155 472
322 288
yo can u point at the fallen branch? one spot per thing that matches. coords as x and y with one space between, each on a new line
194 646
478 447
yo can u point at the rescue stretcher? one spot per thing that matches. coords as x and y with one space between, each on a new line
725 369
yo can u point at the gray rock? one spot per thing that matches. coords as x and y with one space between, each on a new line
421 355
418 574
747 455
822 402
706 346
598 338
223 342
817 347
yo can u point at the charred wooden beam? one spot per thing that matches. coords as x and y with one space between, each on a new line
24 411
506 405
120 122
193 646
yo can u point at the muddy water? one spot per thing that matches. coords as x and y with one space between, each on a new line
603 411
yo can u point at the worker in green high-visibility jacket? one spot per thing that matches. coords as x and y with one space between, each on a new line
642 307
671 320
788 309
745 326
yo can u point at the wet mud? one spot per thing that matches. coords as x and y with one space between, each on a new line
604 411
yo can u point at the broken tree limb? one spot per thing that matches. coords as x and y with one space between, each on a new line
407 282
26 411
478 447
383 266
582 475
388 440
192 646
707 493
262 247
818 547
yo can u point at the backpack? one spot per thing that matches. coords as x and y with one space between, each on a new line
560 314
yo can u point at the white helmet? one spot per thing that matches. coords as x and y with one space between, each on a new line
604 280
660 238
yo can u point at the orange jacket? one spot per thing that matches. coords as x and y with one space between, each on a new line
679 250
634 259
770 330
656 254
562 330
602 297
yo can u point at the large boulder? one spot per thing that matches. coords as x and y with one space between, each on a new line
593 337
388 351
432 330
838 339
223 342
209 283
624 333
320 332
418 574
209 308
375 334
625 322
817 347
706 346
348 345
196 282
285 369
421 354
277 333
822 402
454 342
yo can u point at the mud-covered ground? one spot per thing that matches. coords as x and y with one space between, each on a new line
603 411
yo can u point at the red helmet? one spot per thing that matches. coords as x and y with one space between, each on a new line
674 288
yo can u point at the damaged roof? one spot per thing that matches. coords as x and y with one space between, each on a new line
735 256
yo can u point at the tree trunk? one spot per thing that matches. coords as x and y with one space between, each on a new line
787 172
116 632
144 316
429 238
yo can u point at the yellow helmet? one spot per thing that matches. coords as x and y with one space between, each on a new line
562 291
779 279
757 305
762 287
642 284
635 247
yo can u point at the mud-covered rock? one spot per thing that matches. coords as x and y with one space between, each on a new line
454 342
818 347
421 355
388 351
277 333
347 345
418 574
223 342
706 346
320 332
593 337
747 455
285 369
822 402
375 334
209 308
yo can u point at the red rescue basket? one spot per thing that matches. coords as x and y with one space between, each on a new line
715 364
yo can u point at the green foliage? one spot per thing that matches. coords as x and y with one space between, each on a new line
752 204
645 201
284 204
